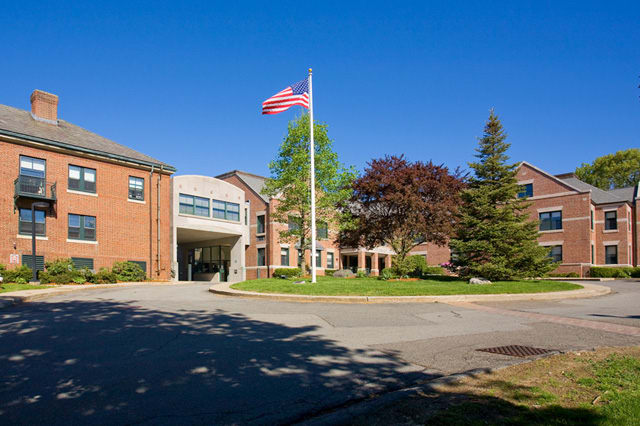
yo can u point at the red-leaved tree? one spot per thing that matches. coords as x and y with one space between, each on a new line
401 204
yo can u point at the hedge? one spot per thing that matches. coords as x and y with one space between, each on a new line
287 272
20 274
610 272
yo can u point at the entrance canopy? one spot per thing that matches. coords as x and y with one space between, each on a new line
190 235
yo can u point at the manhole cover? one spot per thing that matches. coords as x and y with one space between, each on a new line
516 350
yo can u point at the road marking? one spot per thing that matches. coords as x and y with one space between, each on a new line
595 325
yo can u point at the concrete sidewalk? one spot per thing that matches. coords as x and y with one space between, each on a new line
588 290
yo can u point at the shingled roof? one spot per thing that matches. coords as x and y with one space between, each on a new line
255 182
19 123
600 196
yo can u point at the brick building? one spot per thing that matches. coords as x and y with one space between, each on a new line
106 202
584 225
265 251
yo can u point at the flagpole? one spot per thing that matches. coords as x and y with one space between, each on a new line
313 184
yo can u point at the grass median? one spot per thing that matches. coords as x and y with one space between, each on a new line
5 288
581 388
438 286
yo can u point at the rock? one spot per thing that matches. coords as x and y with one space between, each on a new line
479 281
344 273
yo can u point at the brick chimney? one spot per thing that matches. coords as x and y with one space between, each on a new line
44 107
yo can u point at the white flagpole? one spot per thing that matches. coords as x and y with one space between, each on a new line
313 184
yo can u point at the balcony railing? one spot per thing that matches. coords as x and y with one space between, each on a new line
34 187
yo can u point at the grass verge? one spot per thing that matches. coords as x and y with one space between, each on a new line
5 288
582 388
330 286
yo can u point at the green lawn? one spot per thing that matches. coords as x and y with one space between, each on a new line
584 388
329 286
17 287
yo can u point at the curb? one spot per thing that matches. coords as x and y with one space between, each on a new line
588 290
14 298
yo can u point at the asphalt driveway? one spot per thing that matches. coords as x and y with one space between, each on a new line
180 355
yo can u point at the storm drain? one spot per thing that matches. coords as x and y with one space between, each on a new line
516 350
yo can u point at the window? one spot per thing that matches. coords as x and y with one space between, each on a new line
556 253
323 230
197 206
550 221
284 256
260 225
141 264
629 260
82 262
246 216
82 179
300 257
28 261
261 258
24 224
33 167
329 260
593 258
629 221
82 227
294 223
611 220
611 255
526 190
318 258
136 188
225 210
592 220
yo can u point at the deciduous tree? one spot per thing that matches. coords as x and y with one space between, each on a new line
401 204
612 171
290 180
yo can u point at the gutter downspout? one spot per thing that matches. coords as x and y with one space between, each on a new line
151 219
158 222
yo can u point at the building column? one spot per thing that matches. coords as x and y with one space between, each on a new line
362 263
387 261
374 264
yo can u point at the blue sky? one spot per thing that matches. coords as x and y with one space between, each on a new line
183 81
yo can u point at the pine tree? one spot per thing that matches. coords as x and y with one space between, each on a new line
495 238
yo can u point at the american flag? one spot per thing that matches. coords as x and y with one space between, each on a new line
296 94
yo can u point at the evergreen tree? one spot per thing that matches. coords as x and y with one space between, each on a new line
495 238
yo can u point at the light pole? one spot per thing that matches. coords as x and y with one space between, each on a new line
40 205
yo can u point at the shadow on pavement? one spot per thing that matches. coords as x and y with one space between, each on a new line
105 362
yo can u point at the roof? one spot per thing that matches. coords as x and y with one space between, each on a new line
19 123
255 182
600 196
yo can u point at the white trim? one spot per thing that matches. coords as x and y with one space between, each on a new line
550 209
261 213
551 243
211 218
551 231
261 245
28 237
90 194
576 218
284 245
557 194
69 240
609 231
613 208
611 243
136 201
613 265
417 253
525 182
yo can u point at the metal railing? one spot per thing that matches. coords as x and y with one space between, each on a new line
34 187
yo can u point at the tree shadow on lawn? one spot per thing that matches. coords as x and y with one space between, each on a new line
452 406
105 362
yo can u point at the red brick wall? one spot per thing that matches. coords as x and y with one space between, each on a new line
122 227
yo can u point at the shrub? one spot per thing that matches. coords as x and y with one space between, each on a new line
59 267
563 275
329 272
635 273
387 274
287 272
128 271
104 276
608 272
20 275
412 266
361 274
433 270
